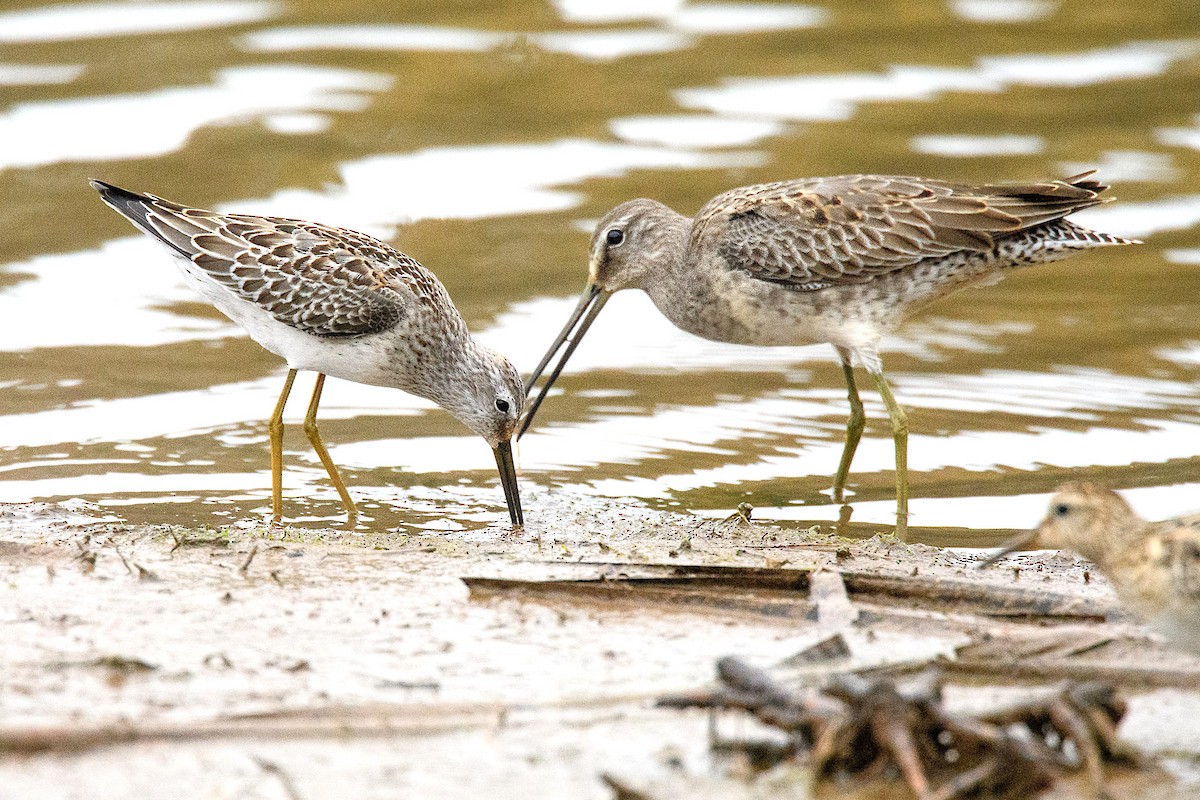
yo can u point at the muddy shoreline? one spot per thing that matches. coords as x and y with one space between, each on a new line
165 662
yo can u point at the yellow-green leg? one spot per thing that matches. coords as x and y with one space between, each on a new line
275 427
900 435
854 428
310 430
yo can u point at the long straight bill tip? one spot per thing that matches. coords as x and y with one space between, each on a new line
1016 543
508 480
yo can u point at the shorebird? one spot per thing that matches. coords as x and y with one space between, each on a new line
1153 566
840 260
339 303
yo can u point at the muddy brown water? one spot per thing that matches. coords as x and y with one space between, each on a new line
484 138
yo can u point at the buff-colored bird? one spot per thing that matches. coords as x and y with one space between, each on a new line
1154 566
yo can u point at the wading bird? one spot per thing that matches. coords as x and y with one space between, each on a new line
339 303
840 260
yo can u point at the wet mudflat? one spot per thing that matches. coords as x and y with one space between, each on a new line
163 661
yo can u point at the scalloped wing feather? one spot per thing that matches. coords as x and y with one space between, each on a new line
819 232
323 280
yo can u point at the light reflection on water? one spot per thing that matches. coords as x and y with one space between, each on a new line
503 180
34 74
838 96
1011 512
54 23
598 45
976 146
697 17
678 21
486 146
36 134
1004 10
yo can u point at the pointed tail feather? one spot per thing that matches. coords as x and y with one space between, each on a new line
148 214
1068 231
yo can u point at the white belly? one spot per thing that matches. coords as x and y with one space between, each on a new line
363 359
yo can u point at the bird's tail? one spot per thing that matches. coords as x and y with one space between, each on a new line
158 217
1072 233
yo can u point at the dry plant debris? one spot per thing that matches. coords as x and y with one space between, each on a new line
860 728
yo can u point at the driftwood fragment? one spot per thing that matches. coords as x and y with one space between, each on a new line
784 591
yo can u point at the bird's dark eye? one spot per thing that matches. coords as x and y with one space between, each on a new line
1061 510
614 236
502 405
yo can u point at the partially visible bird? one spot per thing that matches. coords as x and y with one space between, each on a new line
840 260
339 303
1153 566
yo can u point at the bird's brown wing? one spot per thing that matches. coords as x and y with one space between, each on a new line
323 280
819 232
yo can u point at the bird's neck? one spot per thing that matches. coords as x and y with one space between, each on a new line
1113 544
444 371
678 290
690 291
664 250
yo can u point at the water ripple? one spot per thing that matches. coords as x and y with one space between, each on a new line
837 96
98 20
38 74
48 132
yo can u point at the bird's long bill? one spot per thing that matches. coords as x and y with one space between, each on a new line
593 300
1018 542
508 479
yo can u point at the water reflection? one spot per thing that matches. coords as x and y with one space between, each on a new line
837 97
598 45
963 146
1010 512
973 451
680 25
38 74
466 139
1142 219
700 18
418 38
694 130
138 285
1126 166
58 23
607 45
377 193
1181 137
161 121
1004 10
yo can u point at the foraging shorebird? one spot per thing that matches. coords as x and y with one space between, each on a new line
840 260
1154 566
339 303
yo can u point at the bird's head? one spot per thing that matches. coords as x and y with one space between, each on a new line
489 402
1085 518
630 241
